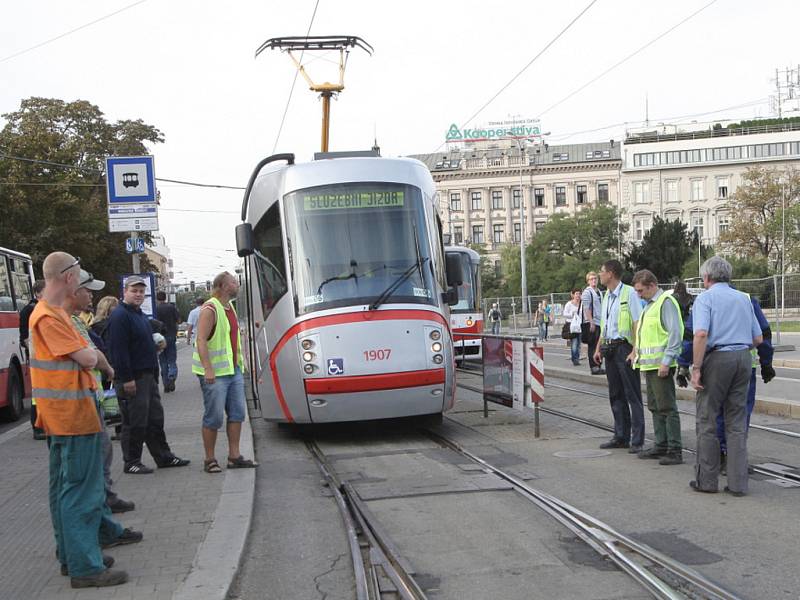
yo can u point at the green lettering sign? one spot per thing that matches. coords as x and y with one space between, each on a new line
350 200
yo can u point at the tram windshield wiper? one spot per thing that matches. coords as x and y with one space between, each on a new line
397 283
351 275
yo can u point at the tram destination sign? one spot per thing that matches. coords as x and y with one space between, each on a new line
354 200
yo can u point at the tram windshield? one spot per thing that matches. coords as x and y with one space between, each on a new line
350 243
467 292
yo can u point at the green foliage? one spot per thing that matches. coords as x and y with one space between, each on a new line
664 249
492 283
66 208
185 301
564 250
762 122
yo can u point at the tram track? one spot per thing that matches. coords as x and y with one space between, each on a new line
759 469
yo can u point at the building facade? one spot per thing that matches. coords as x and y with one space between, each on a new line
691 175
159 255
482 189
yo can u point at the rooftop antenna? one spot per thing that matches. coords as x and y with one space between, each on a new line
319 43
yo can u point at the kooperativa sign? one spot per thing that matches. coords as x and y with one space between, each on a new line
496 130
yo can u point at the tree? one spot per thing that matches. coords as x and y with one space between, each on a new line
45 206
664 249
564 250
492 282
757 213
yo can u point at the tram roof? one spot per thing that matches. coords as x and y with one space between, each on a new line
14 253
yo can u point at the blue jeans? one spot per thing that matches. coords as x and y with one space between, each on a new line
224 396
496 327
168 360
575 348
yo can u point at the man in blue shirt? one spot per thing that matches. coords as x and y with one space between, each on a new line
619 315
725 328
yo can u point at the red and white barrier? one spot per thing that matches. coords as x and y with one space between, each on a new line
536 374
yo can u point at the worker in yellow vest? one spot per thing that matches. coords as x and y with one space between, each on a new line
217 361
658 344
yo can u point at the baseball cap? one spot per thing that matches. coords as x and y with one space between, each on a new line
134 280
88 281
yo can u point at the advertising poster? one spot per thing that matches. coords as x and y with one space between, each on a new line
498 355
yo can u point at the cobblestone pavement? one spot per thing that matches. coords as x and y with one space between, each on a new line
175 509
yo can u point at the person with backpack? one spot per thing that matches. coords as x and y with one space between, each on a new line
495 316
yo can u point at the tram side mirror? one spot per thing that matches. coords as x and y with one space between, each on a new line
244 239
455 273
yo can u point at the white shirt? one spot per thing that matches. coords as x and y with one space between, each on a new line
193 318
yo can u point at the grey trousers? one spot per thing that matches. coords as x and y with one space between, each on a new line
725 378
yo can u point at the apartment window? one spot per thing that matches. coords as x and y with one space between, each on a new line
672 216
697 189
538 226
458 235
602 192
497 200
477 204
722 188
561 195
477 234
516 195
671 190
538 197
517 232
641 192
580 194
641 225
497 234
455 202
560 156
723 223
696 224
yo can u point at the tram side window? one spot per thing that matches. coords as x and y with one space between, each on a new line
270 266
6 301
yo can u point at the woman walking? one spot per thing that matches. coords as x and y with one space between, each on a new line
572 316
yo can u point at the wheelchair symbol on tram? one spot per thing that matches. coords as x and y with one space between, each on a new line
335 366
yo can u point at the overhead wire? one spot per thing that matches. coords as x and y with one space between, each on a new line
70 32
294 81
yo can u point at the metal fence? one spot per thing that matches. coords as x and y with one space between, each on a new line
779 297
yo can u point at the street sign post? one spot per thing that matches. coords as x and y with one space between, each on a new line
134 245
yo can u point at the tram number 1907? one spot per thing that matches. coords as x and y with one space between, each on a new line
381 354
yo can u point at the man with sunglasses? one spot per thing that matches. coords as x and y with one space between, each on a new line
135 361
64 387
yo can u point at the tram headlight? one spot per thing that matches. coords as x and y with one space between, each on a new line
309 369
307 344
308 356
470 322
436 346
438 359
435 334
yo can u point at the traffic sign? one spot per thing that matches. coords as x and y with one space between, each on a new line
134 245
130 179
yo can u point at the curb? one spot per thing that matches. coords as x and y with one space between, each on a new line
786 362
217 559
770 406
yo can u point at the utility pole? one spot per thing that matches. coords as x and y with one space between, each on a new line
135 255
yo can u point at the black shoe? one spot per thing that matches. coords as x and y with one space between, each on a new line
723 463
108 562
672 458
101 579
634 449
696 487
614 443
576 363
654 452
137 469
128 536
120 506
734 494
173 462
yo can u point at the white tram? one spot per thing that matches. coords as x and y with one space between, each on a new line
347 289
466 316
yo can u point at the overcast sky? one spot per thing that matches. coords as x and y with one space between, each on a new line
188 68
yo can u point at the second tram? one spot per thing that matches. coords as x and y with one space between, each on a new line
466 316
347 290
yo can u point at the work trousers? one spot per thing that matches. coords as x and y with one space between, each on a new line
663 406
77 500
751 403
725 377
592 344
625 395
168 360
142 421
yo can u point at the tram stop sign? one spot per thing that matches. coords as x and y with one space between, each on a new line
132 195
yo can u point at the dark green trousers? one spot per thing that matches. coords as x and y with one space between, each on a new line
664 408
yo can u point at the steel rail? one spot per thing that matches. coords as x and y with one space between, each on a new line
604 539
352 508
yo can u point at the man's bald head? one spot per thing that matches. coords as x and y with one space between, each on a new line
57 264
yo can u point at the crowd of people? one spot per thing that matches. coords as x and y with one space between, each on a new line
84 364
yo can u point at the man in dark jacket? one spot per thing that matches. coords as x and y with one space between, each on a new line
133 354
24 333
168 315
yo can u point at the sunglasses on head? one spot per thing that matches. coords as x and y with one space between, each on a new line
75 264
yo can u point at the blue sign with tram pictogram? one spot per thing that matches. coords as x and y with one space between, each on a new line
130 179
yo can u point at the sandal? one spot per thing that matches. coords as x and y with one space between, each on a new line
240 462
211 466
